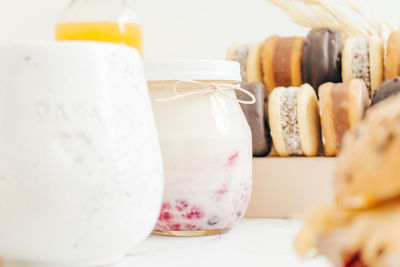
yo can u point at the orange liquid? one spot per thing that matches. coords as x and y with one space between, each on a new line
129 34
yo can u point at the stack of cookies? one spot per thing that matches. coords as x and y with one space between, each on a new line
312 90
361 229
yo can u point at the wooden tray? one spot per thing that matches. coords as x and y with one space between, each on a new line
287 187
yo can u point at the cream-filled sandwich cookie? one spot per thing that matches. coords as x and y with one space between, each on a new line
294 120
368 171
341 106
321 61
392 66
376 61
256 115
281 61
249 57
363 59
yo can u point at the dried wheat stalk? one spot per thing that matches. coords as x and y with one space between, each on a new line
342 15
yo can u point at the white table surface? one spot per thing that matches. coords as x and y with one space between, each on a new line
254 242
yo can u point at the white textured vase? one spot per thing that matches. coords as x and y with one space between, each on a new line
80 165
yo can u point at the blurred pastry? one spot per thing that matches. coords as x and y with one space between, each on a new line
362 228
368 170
366 238
294 120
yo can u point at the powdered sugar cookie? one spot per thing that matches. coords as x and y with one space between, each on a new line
363 59
294 120
249 57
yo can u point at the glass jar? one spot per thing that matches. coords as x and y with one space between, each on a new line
100 20
206 146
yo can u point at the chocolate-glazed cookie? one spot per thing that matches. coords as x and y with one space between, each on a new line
322 57
387 89
256 115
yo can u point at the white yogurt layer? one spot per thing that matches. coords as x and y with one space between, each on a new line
207 152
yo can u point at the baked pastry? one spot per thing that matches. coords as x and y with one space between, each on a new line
341 106
368 170
363 59
387 89
294 120
281 61
392 67
249 57
322 57
256 115
366 238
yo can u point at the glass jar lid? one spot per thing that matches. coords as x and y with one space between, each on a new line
201 70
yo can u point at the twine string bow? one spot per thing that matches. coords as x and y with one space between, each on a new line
213 87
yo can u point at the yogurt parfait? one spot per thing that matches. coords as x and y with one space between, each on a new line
206 146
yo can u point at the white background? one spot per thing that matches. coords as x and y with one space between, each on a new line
175 29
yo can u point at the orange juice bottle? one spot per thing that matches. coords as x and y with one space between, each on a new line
100 20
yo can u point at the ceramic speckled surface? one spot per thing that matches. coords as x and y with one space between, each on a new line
80 165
